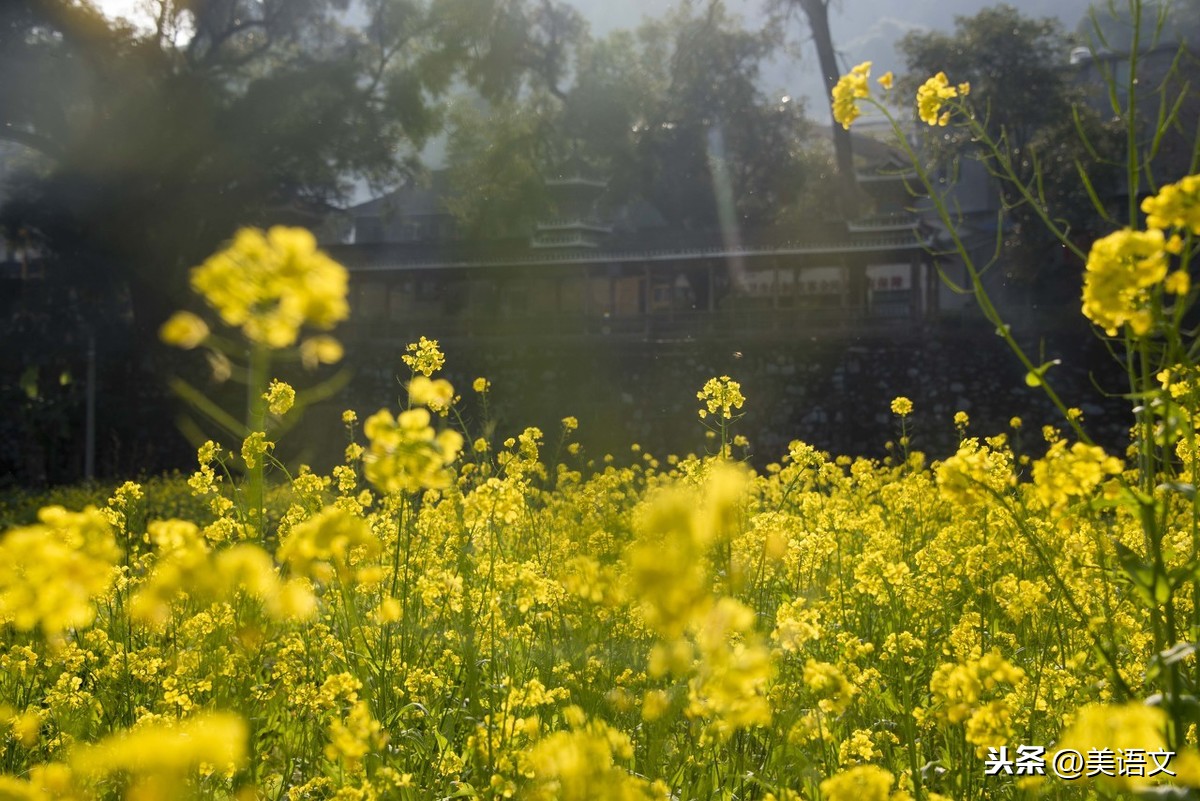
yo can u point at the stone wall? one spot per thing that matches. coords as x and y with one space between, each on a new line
833 392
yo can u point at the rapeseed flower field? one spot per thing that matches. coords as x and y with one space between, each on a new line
435 619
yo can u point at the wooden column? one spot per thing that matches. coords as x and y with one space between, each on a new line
915 300
647 301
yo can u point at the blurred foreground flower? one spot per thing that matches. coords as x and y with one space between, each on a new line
272 283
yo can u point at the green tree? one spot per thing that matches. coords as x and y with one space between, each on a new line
156 145
1047 137
816 12
497 149
671 113
148 148
1018 64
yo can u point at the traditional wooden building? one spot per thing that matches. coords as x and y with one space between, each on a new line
628 274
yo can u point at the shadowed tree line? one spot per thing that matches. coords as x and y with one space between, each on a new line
139 151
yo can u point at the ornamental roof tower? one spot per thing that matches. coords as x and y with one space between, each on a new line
575 223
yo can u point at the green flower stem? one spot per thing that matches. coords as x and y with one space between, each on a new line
260 363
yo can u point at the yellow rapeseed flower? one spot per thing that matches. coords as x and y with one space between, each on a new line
1120 270
732 672
355 737
1178 283
279 397
974 472
52 572
902 406
406 453
581 765
721 396
437 394
1120 728
1176 205
860 783
319 350
424 357
272 283
851 88
168 747
1069 473
323 545
254 448
932 96
184 330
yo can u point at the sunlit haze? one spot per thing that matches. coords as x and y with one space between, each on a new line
132 10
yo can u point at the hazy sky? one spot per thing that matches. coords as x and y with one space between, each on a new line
119 8
862 29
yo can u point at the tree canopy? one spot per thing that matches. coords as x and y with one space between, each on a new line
143 150
155 145
1024 94
672 113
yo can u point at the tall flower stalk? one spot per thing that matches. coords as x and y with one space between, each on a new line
1137 291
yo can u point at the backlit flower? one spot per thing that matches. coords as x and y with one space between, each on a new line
1120 270
902 406
1176 205
932 96
184 330
721 396
272 283
851 88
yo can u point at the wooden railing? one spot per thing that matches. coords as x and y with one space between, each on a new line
654 326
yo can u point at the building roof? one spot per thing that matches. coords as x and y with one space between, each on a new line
830 239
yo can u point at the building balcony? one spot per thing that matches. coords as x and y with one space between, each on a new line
574 224
563 240
895 221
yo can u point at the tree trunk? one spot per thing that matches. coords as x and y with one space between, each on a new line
817 12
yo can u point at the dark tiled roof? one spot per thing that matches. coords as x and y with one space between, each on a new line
659 244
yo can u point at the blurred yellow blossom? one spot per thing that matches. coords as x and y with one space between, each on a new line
272 283
323 546
1176 205
1119 728
581 765
860 783
53 571
168 747
437 394
1120 270
406 453
320 350
184 330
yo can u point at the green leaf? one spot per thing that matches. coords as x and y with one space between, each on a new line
1182 487
1151 585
